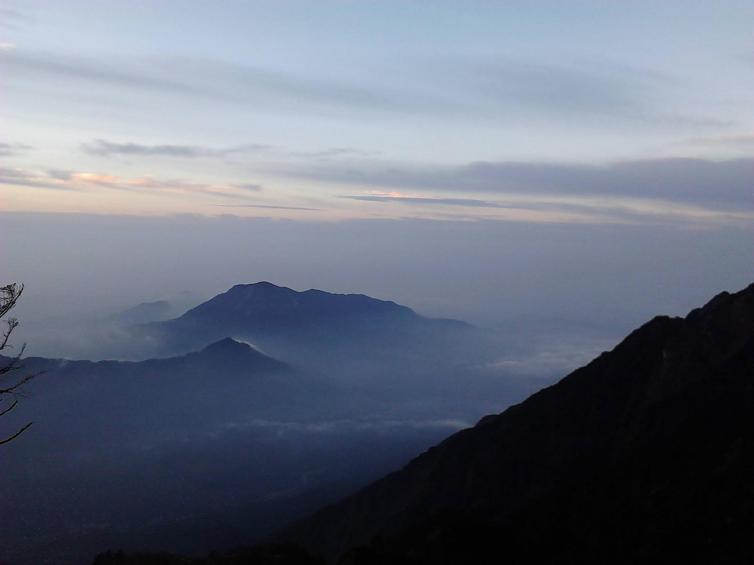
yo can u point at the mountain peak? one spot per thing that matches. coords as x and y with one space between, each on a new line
231 353
264 305
228 345
259 286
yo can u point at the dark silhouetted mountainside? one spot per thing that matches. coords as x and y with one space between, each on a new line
645 455
258 555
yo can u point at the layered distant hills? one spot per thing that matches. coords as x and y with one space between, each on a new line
301 325
248 411
645 455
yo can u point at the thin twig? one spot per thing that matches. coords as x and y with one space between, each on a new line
18 433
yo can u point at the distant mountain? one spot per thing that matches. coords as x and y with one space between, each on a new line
226 357
121 449
645 455
265 306
293 323
139 401
145 312
208 450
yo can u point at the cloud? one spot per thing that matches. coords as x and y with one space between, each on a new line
503 90
281 427
267 206
575 209
217 80
105 148
250 187
415 200
744 140
333 152
725 185
20 177
593 93
11 149
80 180
12 18
29 64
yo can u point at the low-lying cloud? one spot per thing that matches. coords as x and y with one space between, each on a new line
720 185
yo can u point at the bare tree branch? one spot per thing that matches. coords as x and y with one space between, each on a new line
13 363
17 385
12 325
9 295
18 433
11 407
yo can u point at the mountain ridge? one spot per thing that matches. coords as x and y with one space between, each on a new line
609 422
265 296
225 350
290 322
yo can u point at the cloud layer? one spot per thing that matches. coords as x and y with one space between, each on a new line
80 181
724 185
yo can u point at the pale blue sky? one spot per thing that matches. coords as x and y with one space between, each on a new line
535 111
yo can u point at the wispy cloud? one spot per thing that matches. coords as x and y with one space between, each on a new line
24 64
223 81
333 152
543 90
568 209
108 148
105 148
11 149
503 90
744 140
251 187
267 207
723 185
425 201
12 18
334 426
80 180
19 177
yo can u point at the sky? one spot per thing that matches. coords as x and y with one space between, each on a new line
586 112
587 162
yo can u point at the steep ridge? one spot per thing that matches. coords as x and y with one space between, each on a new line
644 455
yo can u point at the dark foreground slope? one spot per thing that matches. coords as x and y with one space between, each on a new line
272 554
645 455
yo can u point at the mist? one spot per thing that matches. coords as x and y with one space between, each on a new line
294 409
517 277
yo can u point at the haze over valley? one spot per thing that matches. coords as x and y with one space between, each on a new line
417 282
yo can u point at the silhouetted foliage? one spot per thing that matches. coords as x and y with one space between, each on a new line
10 387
